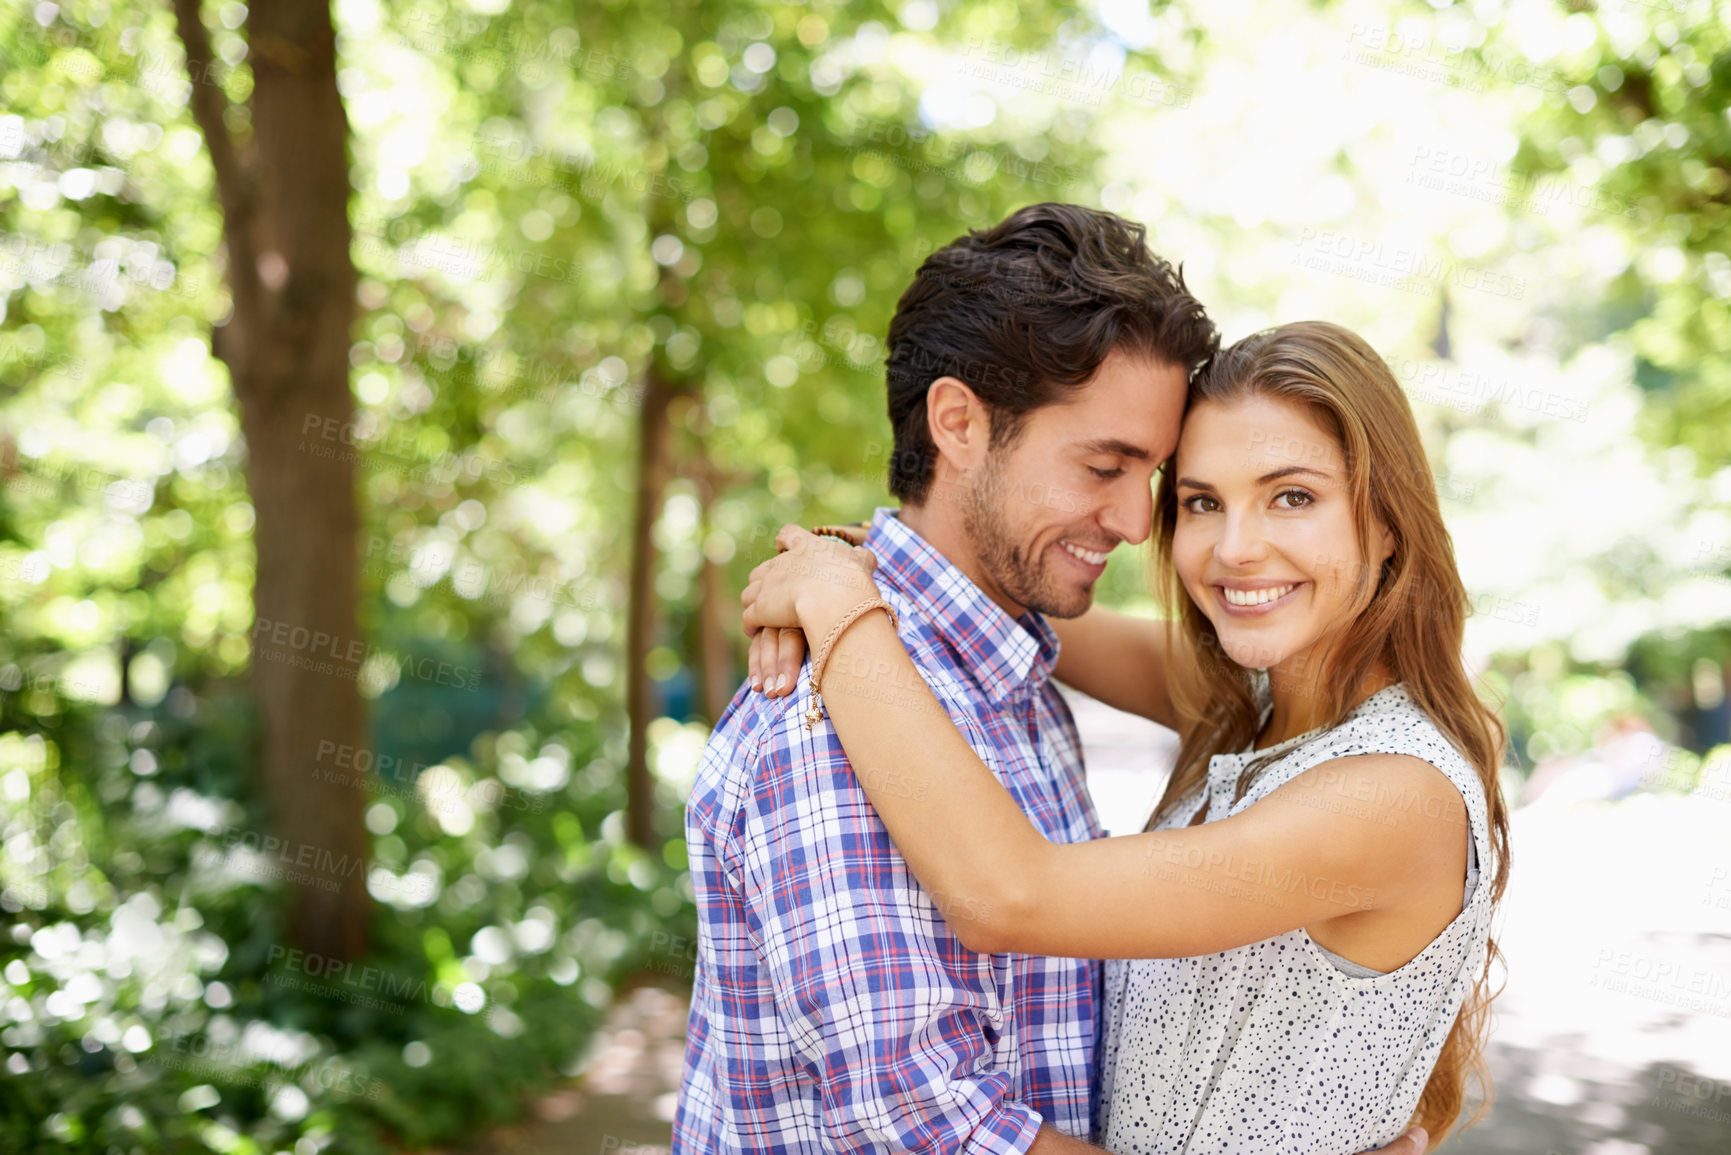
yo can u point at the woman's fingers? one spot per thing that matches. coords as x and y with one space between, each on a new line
790 656
748 620
760 655
773 659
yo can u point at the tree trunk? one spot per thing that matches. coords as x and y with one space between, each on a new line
284 197
654 468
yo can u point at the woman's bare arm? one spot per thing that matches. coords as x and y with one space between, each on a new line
1118 659
1299 858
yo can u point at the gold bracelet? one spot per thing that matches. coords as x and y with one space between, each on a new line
814 714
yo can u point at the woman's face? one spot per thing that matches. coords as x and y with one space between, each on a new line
1264 540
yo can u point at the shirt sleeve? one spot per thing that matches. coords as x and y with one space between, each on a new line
891 1016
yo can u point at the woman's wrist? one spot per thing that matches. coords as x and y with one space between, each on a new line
826 603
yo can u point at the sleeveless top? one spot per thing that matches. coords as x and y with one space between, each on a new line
1273 1047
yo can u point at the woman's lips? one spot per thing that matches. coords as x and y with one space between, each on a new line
1261 609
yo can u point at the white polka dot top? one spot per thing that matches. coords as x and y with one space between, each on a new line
1273 1047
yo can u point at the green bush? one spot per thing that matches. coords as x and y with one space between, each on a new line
154 1004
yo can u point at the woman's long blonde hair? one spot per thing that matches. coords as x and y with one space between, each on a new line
1410 614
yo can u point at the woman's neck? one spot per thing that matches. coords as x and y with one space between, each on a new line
1299 707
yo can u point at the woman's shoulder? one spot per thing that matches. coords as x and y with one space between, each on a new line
1387 722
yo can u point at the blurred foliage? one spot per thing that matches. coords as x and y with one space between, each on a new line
154 1004
1643 123
1636 128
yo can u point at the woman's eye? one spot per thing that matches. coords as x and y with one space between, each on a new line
1294 498
1104 474
1189 503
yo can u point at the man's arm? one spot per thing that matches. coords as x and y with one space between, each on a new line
886 1008
1117 659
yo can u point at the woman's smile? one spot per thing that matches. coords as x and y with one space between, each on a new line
1255 599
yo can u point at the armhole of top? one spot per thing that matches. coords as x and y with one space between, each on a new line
1325 750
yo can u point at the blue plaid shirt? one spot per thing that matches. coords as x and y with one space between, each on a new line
833 1009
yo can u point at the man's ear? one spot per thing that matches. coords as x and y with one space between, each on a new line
958 423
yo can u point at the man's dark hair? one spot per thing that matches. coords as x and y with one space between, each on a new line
1024 311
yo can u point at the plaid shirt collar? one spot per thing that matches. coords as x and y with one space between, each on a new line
1002 653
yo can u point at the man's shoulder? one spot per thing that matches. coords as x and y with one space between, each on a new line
760 737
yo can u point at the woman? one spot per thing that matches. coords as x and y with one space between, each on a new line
1302 933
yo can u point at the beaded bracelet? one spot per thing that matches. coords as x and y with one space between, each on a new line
814 714
854 534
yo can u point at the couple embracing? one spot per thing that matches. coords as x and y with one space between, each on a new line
914 935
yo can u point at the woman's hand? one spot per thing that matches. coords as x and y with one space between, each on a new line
800 592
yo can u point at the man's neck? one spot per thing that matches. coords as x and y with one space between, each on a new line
946 535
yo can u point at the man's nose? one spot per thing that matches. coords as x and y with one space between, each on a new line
1131 519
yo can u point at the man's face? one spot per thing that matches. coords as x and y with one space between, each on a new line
1043 513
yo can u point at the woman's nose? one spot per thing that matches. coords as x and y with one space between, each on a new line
1242 540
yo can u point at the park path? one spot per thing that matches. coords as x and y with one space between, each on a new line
623 1104
1612 1037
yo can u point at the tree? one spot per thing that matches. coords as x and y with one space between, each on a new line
283 186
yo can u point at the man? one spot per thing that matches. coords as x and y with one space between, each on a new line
1037 374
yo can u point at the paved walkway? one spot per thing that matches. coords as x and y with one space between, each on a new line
1613 1036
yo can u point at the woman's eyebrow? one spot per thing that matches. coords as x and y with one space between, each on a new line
1285 471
